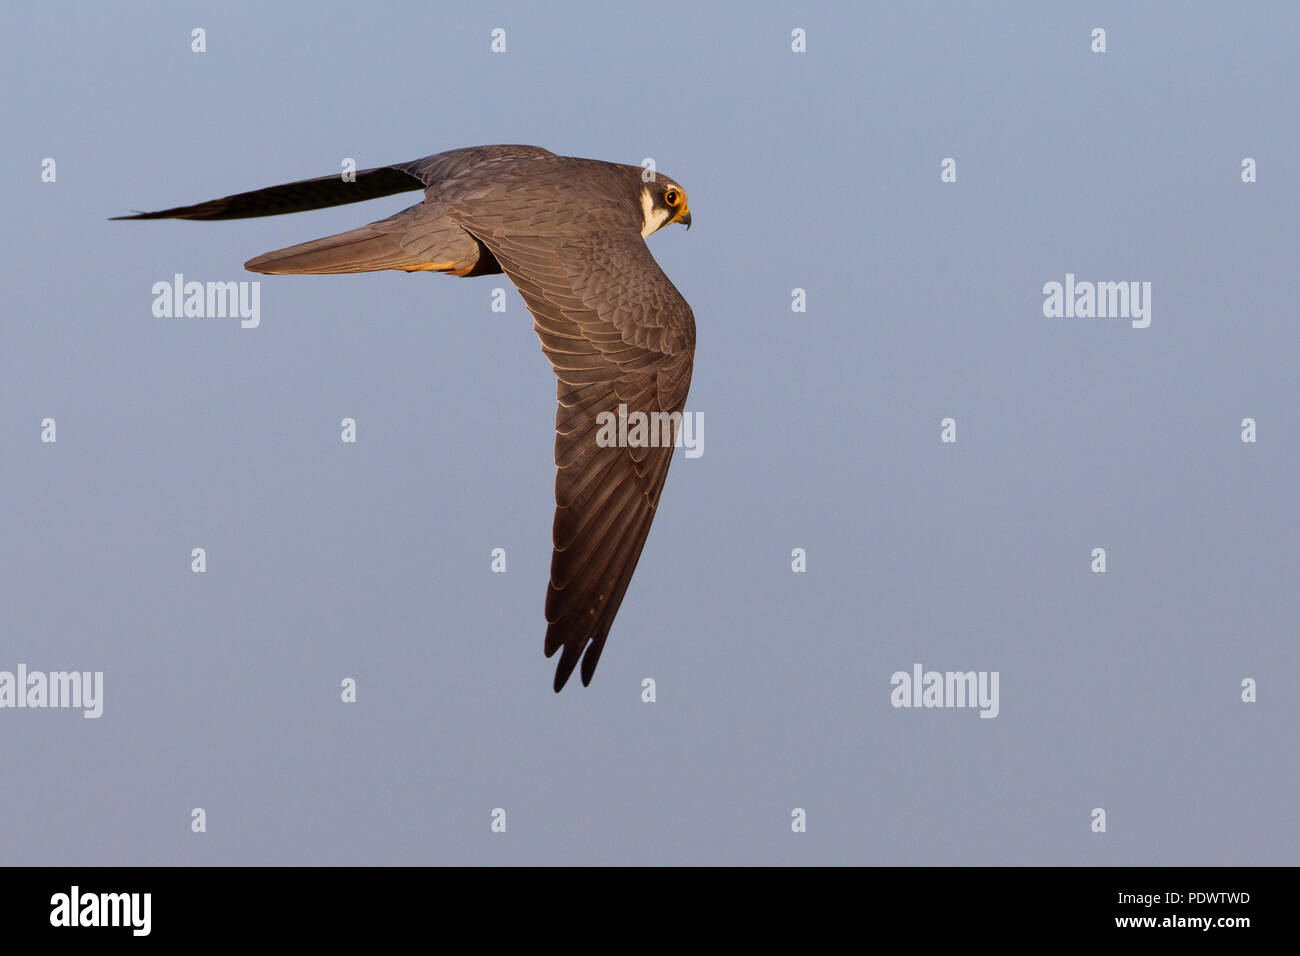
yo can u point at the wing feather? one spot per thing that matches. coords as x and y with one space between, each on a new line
616 332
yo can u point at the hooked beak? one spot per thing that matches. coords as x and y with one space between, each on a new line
685 218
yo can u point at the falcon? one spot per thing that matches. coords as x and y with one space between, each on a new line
570 234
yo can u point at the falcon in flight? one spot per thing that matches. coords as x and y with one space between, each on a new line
570 233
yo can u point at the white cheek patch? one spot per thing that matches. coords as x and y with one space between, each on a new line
652 218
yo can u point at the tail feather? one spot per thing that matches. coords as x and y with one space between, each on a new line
417 239
359 250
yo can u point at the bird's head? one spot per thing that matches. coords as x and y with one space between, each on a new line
663 202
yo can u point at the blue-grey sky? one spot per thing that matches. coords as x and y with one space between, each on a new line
819 171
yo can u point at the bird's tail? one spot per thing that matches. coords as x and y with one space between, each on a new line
413 241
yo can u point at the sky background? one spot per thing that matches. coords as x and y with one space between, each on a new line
924 300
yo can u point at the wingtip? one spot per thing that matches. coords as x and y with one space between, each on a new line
141 214
566 665
562 675
561 678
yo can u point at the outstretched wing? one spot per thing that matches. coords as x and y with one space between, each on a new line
327 191
296 197
618 334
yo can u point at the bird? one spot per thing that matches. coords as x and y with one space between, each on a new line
570 234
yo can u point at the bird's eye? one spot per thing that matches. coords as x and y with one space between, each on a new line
672 197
